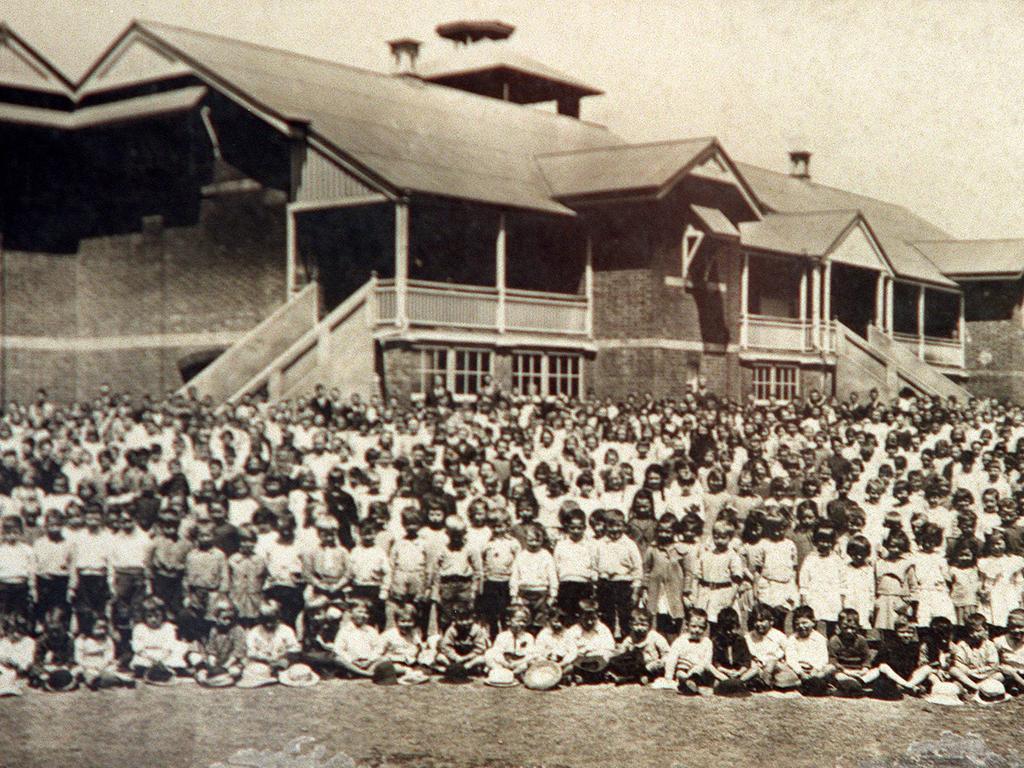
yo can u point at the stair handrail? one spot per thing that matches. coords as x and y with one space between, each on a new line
849 336
253 332
329 322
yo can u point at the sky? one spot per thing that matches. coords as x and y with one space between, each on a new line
919 103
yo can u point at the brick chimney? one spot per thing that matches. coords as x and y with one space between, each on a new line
405 51
800 164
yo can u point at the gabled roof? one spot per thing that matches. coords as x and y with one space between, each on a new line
409 135
485 57
638 170
22 66
894 226
803 234
982 259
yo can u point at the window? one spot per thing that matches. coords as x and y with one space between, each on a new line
527 373
778 382
433 362
470 368
564 375
550 373
462 370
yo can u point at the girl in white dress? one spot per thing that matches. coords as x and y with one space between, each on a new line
1001 580
930 578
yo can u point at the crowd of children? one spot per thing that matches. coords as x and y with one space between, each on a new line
692 544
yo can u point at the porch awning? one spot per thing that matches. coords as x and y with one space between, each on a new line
716 222
138 108
843 237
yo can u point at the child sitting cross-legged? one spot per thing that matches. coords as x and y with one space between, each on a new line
732 666
555 643
17 652
157 653
689 658
806 656
270 648
850 656
513 648
640 657
96 660
460 653
902 663
219 657
767 646
403 646
1011 652
975 658
357 646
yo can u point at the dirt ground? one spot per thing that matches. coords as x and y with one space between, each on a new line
469 726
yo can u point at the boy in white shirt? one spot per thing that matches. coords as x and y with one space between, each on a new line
689 657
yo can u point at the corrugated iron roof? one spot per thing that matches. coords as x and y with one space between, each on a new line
416 136
976 258
620 168
893 225
802 234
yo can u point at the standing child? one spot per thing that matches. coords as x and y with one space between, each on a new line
206 577
929 579
497 558
820 579
620 574
371 573
773 561
891 588
53 557
858 580
576 565
533 579
1001 579
17 572
720 570
965 581
457 572
408 565
664 578
247 573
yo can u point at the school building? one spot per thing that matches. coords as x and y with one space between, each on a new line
201 211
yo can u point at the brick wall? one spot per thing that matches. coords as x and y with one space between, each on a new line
224 272
995 358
